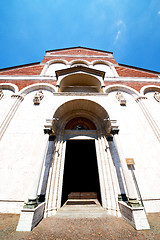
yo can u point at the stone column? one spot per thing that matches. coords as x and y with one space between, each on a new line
132 200
10 114
32 199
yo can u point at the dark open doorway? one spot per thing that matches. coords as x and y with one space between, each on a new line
80 170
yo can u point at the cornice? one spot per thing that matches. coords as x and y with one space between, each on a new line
49 78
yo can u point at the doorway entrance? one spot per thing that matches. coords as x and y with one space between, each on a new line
80 171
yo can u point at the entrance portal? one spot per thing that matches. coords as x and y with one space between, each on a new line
80 170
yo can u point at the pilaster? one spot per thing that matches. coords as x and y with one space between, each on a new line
151 121
12 111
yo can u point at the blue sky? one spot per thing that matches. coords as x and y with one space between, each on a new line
129 29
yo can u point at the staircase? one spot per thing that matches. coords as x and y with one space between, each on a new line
81 208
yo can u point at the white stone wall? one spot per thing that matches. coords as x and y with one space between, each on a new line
153 107
139 142
5 104
21 147
24 137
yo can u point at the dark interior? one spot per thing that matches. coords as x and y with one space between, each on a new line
80 170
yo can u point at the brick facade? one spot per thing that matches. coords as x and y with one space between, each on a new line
79 53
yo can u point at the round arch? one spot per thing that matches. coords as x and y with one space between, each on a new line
80 80
82 108
79 61
102 62
149 88
9 86
122 88
57 61
37 86
53 61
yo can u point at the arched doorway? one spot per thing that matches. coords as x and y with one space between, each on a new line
81 159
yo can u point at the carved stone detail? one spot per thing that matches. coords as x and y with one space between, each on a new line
121 98
1 94
38 97
18 96
157 96
140 98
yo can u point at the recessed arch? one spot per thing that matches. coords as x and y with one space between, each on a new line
9 86
105 66
57 61
54 65
37 86
79 62
122 88
80 82
149 88
81 108
102 62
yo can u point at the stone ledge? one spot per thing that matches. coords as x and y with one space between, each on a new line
136 217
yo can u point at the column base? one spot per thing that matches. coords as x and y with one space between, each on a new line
32 203
133 202
136 217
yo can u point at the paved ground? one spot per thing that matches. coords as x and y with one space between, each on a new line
74 229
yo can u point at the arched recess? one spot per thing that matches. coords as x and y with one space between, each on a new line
105 66
81 108
82 82
149 88
92 138
37 86
79 62
54 65
122 88
9 86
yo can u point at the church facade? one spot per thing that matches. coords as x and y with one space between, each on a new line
79 125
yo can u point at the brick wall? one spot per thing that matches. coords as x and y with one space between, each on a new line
29 70
135 85
22 84
129 72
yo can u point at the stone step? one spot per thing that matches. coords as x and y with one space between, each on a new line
81 208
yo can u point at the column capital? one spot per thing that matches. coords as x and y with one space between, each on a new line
140 98
18 96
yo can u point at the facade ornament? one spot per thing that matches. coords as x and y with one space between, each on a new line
1 94
18 96
139 98
121 98
38 97
157 96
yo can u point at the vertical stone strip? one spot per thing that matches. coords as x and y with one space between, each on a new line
49 189
113 176
32 199
10 114
149 117
100 170
127 177
50 210
62 162
57 175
